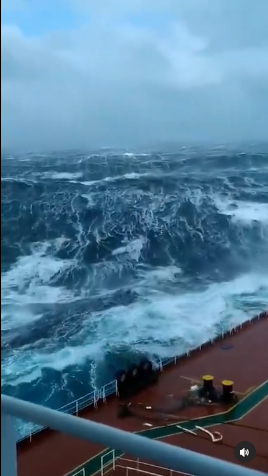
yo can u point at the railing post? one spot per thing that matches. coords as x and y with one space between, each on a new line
8 446
161 368
96 396
103 394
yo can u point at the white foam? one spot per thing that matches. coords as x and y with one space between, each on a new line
12 179
59 175
132 155
26 366
132 248
159 275
134 175
246 212
129 154
158 320
29 282
129 176
66 175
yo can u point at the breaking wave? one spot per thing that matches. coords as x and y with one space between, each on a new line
109 256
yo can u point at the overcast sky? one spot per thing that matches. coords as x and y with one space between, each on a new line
82 73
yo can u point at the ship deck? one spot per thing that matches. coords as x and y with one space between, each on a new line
239 356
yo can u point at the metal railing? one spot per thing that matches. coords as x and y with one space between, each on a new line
130 468
76 406
135 466
148 465
92 398
111 461
172 457
80 472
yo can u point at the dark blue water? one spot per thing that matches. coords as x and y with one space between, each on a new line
105 256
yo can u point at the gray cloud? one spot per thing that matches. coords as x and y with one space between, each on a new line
137 72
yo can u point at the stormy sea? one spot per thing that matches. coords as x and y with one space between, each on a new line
110 255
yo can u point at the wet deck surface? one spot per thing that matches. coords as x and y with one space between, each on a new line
257 419
246 429
240 357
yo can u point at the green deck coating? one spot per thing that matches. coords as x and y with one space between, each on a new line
237 412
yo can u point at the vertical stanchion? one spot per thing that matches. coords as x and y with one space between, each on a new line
8 446
102 465
103 394
161 368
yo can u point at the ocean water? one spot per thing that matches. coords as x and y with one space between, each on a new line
113 255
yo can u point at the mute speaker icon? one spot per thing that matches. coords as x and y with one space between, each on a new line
244 452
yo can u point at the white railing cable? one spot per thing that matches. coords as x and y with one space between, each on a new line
139 446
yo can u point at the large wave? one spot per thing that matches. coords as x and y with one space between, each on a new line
109 256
